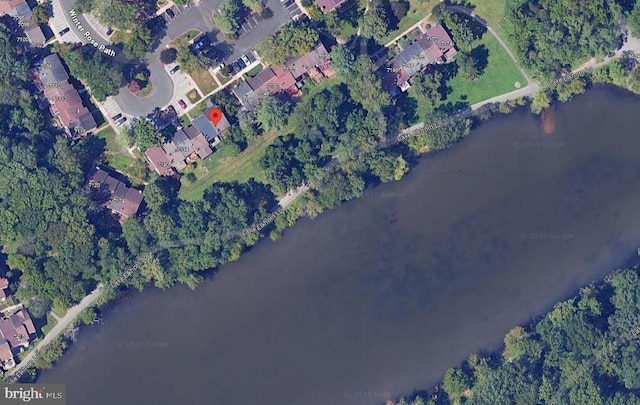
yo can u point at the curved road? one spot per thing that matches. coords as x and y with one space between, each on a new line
162 84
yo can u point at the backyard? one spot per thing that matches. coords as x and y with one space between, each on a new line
498 77
245 165
417 11
116 155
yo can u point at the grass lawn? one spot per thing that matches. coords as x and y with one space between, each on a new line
183 40
205 81
240 168
223 79
245 165
254 71
194 96
116 156
185 121
498 77
51 322
145 92
197 110
417 11
493 12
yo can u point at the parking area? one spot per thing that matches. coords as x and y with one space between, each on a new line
182 84
114 113
174 12
249 23
59 24
292 8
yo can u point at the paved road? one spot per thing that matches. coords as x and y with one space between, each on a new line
291 196
59 328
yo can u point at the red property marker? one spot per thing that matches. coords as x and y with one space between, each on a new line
215 115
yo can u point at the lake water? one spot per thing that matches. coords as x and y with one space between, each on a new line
380 296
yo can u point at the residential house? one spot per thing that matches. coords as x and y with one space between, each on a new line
435 46
187 145
64 99
286 77
16 333
329 5
123 200
4 286
21 12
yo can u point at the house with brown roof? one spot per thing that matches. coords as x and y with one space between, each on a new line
122 199
65 101
435 46
286 77
4 286
16 332
21 12
329 5
186 146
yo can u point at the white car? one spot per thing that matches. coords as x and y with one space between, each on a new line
245 60
218 68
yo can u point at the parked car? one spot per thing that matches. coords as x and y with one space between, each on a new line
182 104
109 31
121 121
171 109
175 69
64 31
241 64
218 68
170 13
116 117
246 60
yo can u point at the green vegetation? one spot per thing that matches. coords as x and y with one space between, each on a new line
50 353
139 42
584 351
145 135
293 39
41 12
98 71
193 96
418 9
117 156
205 82
496 74
184 39
168 55
634 20
229 17
564 41
51 322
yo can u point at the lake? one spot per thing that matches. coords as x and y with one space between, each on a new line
380 296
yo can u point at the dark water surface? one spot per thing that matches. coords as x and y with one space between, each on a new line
383 294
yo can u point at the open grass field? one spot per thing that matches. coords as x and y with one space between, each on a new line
498 77
204 81
183 40
116 155
491 11
417 11
237 168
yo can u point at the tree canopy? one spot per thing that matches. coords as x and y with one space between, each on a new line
292 40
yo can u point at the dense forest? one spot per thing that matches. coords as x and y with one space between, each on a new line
584 351
553 36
